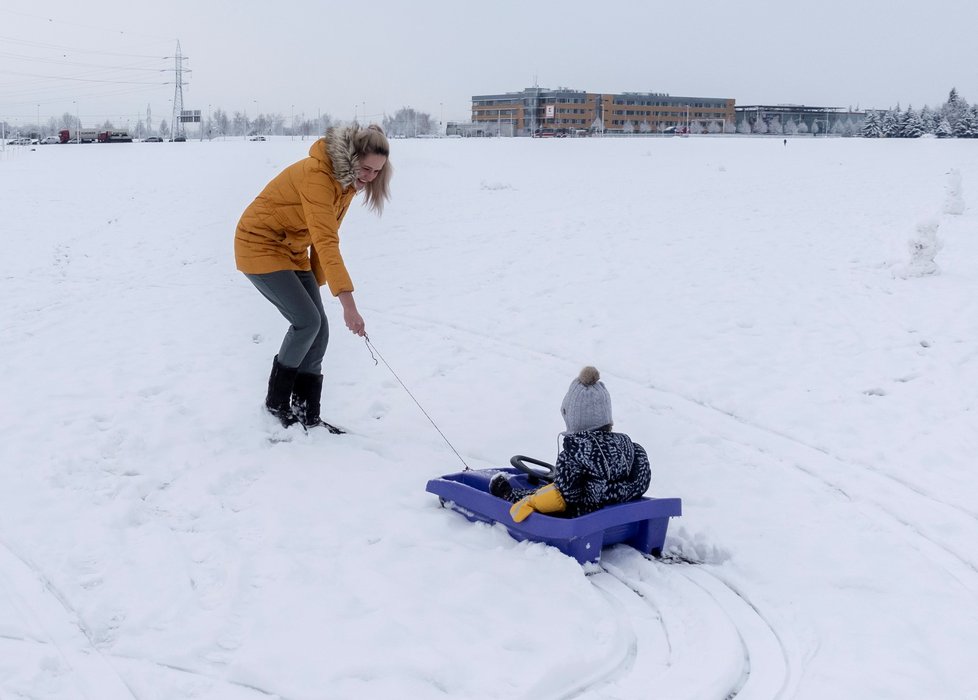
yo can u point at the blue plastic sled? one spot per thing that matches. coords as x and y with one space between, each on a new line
641 524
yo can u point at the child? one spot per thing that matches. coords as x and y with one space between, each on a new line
595 467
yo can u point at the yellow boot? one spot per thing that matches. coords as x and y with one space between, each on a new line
546 499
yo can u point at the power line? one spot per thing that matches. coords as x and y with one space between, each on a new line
102 28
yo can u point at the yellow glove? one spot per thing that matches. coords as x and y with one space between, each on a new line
546 499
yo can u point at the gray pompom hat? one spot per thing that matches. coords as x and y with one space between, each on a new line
587 405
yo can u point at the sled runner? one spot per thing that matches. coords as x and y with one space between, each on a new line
641 523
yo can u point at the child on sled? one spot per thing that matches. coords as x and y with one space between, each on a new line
595 468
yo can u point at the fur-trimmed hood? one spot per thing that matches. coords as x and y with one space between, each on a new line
340 152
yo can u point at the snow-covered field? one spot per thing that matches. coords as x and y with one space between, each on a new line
755 313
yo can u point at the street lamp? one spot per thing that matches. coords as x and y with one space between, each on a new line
292 130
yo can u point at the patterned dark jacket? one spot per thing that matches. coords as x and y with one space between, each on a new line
598 468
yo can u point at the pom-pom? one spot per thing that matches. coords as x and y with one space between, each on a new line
589 376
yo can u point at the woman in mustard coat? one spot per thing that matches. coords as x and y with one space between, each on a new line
287 244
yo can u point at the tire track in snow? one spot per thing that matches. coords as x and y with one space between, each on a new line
37 600
874 491
684 634
57 627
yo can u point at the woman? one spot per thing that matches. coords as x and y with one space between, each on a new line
287 244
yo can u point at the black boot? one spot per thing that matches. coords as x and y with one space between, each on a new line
306 398
280 385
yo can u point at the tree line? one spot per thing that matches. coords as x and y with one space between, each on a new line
954 118
406 122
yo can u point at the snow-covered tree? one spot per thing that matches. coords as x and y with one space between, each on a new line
954 109
743 126
645 127
891 123
164 129
944 129
929 119
775 126
911 126
872 125
968 124
714 127
628 127
409 122
239 124
222 123
802 127
759 127
791 127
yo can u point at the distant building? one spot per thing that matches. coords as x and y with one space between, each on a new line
816 119
541 111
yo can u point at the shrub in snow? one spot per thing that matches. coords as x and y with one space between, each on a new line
924 247
954 204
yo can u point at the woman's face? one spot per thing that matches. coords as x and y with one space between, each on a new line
370 167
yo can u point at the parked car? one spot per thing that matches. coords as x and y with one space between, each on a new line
153 139
180 139
257 138
19 142
50 139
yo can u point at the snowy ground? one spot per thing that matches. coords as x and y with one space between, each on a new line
753 311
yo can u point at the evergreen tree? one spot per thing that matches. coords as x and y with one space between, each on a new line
943 129
911 126
890 123
954 109
968 124
930 120
872 127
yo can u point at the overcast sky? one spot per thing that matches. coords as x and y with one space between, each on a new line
105 59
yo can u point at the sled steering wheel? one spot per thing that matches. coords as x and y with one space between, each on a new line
533 467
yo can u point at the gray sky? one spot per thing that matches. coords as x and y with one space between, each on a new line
105 59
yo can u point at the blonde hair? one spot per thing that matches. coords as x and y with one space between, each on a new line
372 141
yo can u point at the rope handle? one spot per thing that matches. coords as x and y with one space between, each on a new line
374 354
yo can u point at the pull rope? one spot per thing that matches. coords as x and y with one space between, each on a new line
374 354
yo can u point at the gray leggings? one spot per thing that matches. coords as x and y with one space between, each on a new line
296 295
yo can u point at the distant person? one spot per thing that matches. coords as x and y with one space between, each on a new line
287 244
595 468
786 142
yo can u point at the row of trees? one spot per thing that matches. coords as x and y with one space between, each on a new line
405 122
954 118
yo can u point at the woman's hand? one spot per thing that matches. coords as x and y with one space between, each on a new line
351 317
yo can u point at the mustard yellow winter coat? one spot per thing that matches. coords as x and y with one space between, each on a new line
294 223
